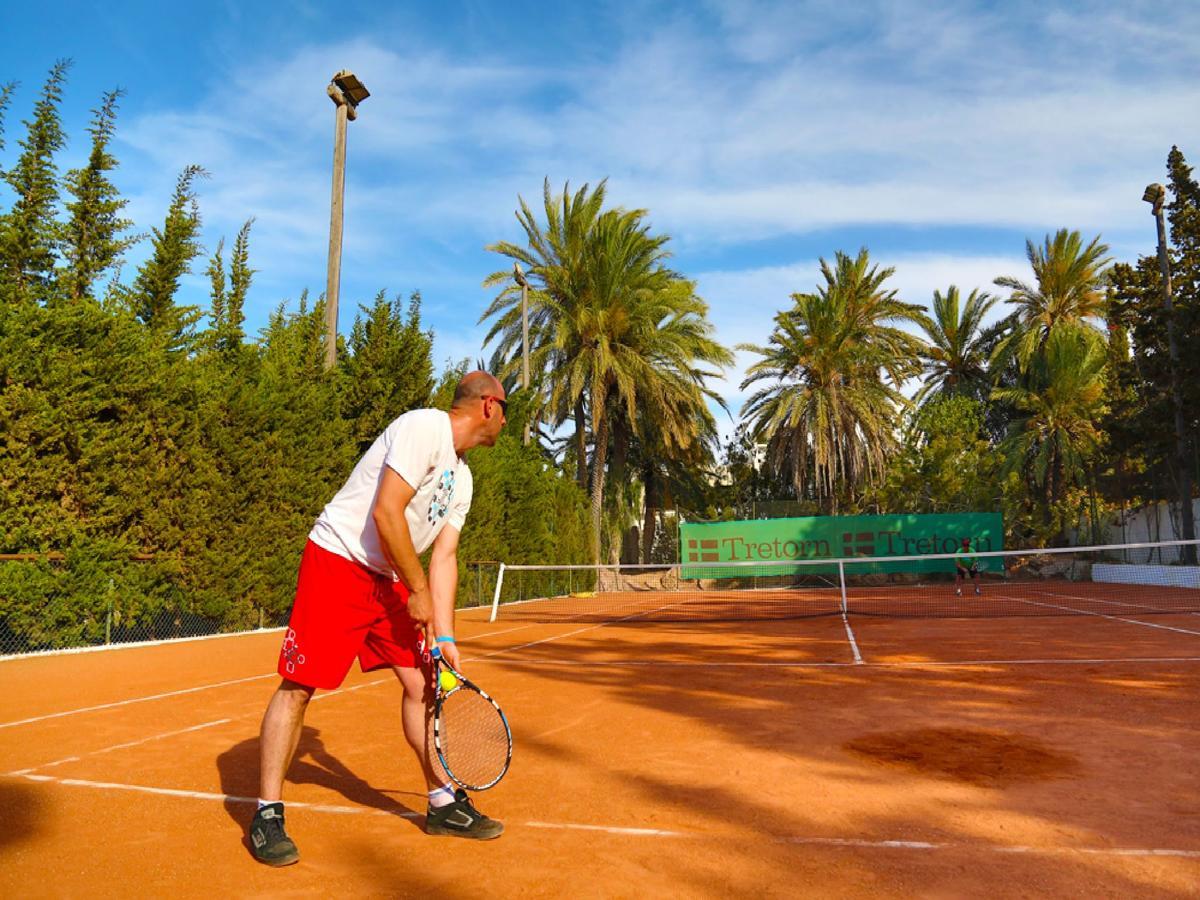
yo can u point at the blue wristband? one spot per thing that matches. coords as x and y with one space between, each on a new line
445 640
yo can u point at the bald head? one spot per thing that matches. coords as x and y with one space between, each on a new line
475 385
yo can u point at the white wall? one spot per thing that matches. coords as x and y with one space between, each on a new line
1146 525
1163 576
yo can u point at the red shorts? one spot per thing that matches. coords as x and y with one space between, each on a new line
343 610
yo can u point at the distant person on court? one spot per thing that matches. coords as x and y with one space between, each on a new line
965 563
362 592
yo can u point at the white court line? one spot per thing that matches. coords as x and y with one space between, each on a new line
200 727
1138 606
120 703
357 687
637 832
205 687
490 659
858 660
610 829
958 663
125 746
556 637
209 795
132 700
1088 612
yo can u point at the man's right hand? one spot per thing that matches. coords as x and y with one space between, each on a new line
420 607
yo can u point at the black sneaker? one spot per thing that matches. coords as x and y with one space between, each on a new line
461 819
268 841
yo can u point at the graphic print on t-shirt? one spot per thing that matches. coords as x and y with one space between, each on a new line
440 503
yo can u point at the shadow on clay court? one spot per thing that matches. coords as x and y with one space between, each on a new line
1033 740
20 809
313 764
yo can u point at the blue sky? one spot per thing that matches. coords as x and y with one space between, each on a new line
759 135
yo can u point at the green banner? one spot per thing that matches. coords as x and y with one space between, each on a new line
837 537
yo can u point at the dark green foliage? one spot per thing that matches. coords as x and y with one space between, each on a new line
6 92
30 233
227 297
945 463
167 477
230 333
1184 215
1140 421
92 241
522 511
388 370
176 244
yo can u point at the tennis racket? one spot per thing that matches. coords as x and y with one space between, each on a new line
470 733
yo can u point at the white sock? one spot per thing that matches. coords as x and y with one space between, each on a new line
442 796
264 803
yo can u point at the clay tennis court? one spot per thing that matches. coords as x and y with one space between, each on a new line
822 756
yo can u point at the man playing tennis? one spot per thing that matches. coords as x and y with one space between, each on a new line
362 592
965 563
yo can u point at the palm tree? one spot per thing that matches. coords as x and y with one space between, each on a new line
554 260
678 434
956 360
1056 432
827 412
612 329
1070 288
634 343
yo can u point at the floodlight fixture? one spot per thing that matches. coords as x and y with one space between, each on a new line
352 89
1155 194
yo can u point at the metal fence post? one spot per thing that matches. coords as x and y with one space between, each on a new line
108 614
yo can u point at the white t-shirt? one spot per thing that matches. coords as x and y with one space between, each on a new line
419 446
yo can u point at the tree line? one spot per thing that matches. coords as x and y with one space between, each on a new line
133 425
1048 401
164 465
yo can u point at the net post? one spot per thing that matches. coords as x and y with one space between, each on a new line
842 583
496 596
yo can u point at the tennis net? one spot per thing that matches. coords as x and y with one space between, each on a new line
1111 580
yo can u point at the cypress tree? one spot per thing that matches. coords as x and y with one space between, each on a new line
216 297
1142 449
227 294
232 333
1184 215
92 242
176 244
30 233
389 369
6 92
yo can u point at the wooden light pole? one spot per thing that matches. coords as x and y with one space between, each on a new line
520 278
346 92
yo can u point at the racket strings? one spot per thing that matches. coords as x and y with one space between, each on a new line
474 739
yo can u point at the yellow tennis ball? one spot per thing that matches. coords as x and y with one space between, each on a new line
447 680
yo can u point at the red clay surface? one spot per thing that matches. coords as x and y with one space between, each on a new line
963 758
